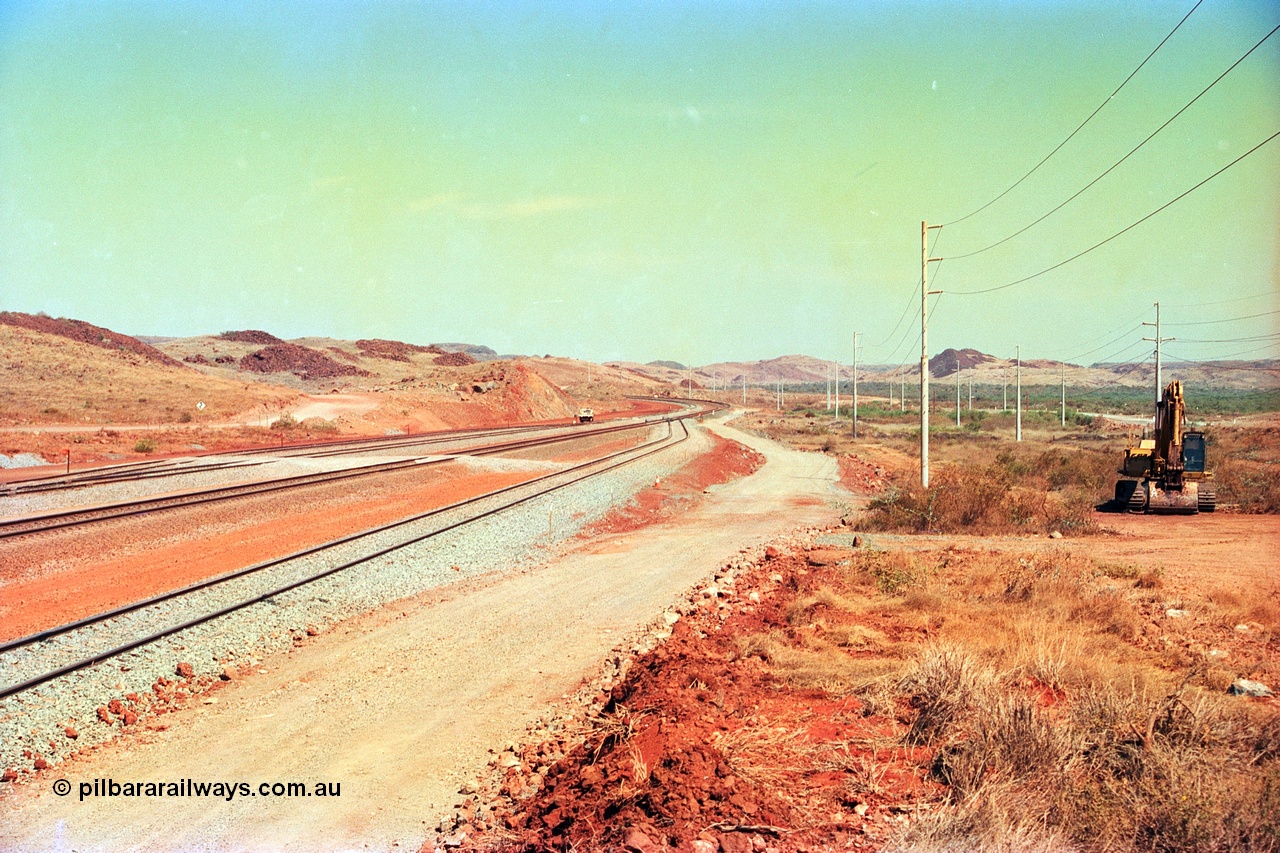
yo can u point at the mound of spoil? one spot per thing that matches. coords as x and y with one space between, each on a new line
86 333
299 360
702 747
251 336
391 350
454 359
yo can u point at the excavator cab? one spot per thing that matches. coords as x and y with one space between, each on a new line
1193 453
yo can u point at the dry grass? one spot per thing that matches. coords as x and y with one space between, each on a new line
1119 769
817 663
55 380
983 500
1244 464
1052 726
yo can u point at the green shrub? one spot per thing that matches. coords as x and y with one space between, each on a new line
144 445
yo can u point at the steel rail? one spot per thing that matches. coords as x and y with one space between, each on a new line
662 444
80 516
153 469
339 446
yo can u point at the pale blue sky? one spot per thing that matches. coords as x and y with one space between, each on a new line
640 180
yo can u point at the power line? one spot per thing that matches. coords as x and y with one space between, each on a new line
1121 352
1127 323
1271 336
1226 320
1229 356
910 302
1113 166
1121 231
1224 301
1083 123
1117 339
907 334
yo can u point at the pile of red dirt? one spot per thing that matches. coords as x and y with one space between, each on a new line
701 747
391 350
85 333
298 360
727 461
251 336
862 477
454 359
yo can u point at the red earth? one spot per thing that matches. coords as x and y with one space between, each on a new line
57 578
727 460
702 748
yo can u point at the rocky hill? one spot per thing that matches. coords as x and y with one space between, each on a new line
85 333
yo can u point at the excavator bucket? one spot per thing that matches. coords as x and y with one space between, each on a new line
1184 501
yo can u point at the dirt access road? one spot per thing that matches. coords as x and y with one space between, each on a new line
402 705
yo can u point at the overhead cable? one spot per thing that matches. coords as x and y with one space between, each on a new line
1272 293
1112 167
910 301
1224 320
1269 337
1121 231
1083 123
1116 340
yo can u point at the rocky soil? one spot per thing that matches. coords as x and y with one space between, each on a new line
686 740
301 361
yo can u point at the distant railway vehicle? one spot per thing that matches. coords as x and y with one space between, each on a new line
585 415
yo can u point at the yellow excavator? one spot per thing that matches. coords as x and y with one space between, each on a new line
1167 470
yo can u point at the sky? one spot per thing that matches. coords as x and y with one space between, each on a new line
696 181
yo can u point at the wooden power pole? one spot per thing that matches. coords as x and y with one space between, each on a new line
925 260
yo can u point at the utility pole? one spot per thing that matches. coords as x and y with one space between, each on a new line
902 386
1018 430
1004 375
836 369
925 227
971 389
1158 340
828 386
1062 375
855 384
957 390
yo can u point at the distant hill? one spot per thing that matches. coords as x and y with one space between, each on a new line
251 336
985 368
476 351
950 360
85 333
71 372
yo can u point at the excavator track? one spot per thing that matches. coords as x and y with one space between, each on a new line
1138 499
1207 498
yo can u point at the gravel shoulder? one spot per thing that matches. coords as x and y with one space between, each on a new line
401 705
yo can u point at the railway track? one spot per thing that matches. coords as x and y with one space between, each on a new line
80 517
60 651
215 461
153 469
